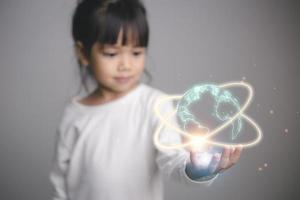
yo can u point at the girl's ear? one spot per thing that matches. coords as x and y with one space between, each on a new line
81 53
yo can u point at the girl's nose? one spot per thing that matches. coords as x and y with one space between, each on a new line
125 63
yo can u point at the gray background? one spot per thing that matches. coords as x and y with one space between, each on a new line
192 41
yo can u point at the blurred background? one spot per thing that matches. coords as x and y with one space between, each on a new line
191 42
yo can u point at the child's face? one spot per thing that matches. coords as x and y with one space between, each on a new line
116 67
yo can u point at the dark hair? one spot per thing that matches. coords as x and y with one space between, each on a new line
101 21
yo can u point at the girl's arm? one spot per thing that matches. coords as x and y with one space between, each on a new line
58 172
60 162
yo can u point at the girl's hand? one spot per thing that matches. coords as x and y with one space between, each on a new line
219 162
230 156
205 165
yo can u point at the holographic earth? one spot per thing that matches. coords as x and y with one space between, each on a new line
221 95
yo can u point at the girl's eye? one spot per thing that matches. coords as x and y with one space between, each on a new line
109 54
137 53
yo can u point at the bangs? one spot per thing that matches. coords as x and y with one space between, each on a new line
124 17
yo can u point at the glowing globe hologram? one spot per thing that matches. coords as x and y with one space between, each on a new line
220 96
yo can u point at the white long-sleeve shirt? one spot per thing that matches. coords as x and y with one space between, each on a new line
106 152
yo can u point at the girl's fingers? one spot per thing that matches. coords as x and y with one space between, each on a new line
235 155
224 159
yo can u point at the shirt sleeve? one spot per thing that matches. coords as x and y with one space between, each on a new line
61 159
173 162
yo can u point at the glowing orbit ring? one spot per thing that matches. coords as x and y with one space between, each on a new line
195 139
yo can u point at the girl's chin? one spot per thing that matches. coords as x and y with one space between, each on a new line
123 88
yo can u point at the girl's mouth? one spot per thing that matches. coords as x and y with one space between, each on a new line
123 79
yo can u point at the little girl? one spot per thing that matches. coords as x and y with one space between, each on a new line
104 148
